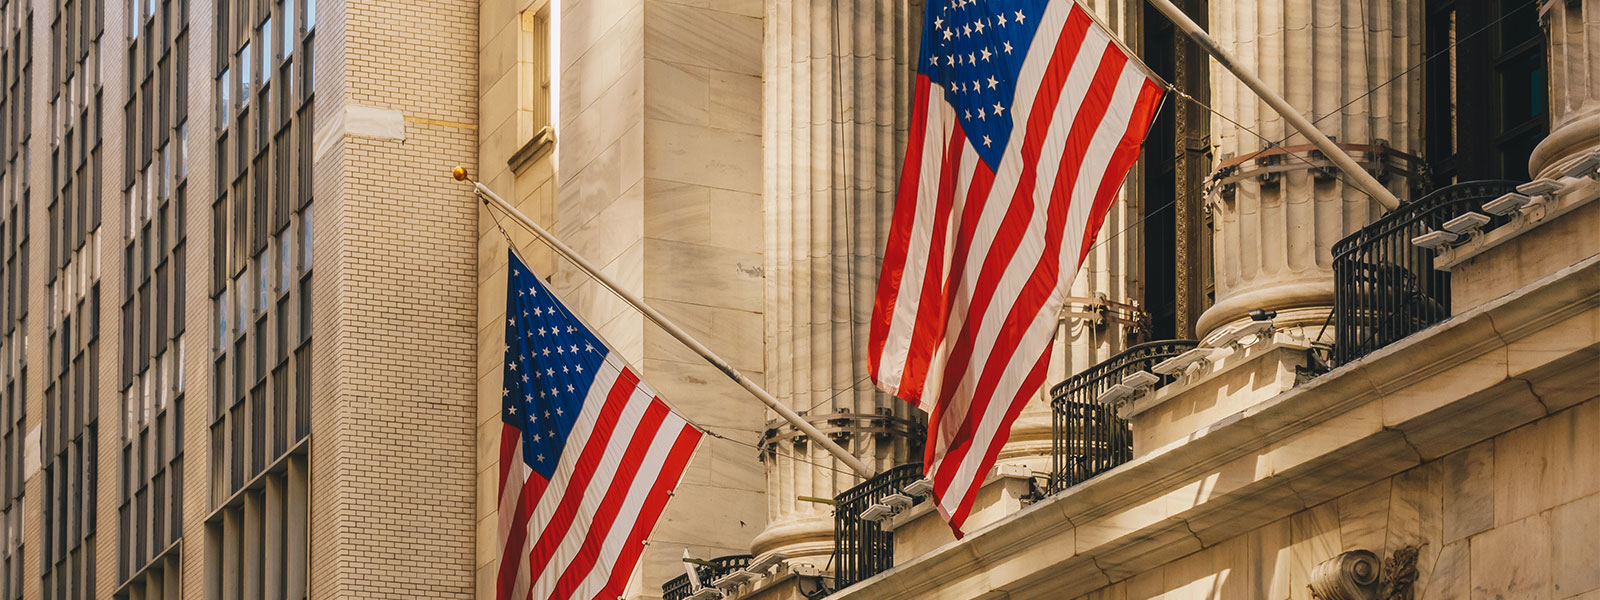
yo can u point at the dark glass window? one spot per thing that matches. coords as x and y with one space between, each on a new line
1485 89
259 418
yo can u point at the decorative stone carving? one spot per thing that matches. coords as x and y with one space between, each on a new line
1400 574
1348 576
1356 575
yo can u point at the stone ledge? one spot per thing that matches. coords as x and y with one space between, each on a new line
1358 424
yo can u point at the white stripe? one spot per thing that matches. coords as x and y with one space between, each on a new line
605 377
1092 171
605 472
1031 244
516 478
616 539
936 137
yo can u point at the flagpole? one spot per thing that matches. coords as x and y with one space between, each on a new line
661 320
1361 177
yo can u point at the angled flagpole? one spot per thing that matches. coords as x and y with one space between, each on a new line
1360 176
666 324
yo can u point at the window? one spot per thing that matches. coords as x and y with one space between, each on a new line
16 68
534 49
259 419
1486 97
69 440
151 451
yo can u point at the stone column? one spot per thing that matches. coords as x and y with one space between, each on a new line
1572 30
837 99
1274 239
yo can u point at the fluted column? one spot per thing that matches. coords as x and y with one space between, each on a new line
1573 36
1273 240
837 83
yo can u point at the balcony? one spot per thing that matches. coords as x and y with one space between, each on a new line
1385 286
1087 436
860 548
680 588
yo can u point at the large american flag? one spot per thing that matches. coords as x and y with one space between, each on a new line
588 454
1027 116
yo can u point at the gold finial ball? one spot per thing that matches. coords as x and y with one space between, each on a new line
460 173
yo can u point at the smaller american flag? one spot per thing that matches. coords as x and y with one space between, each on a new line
588 454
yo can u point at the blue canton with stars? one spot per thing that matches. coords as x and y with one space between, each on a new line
551 359
974 49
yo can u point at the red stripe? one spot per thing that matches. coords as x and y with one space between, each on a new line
606 514
905 212
677 460
929 322
583 470
1013 227
1034 379
516 539
1144 111
509 436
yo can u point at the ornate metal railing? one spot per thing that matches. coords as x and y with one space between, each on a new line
1086 437
1385 288
679 588
860 548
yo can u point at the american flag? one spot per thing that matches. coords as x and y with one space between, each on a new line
1027 116
588 454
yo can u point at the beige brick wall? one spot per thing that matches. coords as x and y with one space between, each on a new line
394 304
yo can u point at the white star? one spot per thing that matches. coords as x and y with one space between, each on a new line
511 409
993 83
975 86
980 115
547 352
986 54
537 312
1002 19
986 141
550 372
541 458
524 313
531 420
515 272
998 109
529 397
947 34
571 329
978 26
570 388
555 392
558 411
966 30
536 437
521 293
589 347
573 348
511 321
1021 17
967 115
1007 46
512 364
564 369
547 414
504 392
541 332
933 61
949 60
970 59
938 22
533 291
560 350
580 368
524 378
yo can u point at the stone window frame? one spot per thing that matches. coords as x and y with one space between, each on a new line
535 73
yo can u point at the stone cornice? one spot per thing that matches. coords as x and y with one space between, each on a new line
1473 376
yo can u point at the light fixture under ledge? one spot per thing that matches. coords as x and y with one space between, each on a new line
733 580
1180 363
766 561
898 501
1588 167
1116 393
1467 222
1540 187
919 488
876 512
706 593
1434 239
1252 328
1141 379
1506 204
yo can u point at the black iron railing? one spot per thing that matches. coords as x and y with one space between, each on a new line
679 588
1086 437
860 548
1385 288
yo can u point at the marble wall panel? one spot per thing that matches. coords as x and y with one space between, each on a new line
1512 560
